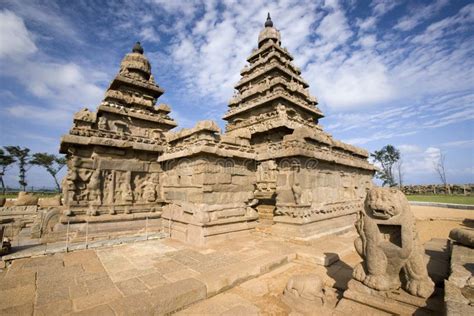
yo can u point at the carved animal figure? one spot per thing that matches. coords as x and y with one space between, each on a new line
388 243
308 286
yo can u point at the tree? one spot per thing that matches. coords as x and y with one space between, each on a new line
52 163
399 169
22 158
387 157
5 161
440 169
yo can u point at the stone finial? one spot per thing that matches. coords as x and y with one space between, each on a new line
137 48
269 22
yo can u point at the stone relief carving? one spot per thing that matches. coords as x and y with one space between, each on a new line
150 188
126 188
94 188
85 115
266 176
389 244
306 293
102 124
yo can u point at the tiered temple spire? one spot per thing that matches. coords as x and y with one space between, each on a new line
271 93
112 152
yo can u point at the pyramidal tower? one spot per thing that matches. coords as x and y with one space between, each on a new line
112 152
307 183
271 97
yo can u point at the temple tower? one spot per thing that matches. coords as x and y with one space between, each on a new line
112 152
307 183
271 99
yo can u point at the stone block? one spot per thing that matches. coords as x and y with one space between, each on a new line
463 236
131 287
25 309
139 304
50 201
98 298
56 308
17 296
177 295
26 199
100 310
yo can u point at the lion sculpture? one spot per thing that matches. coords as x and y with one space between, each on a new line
388 244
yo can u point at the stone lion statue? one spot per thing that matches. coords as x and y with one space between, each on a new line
388 244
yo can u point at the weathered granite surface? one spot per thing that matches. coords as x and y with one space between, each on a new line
124 162
307 294
459 288
389 244
464 236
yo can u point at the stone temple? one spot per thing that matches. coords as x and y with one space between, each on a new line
274 169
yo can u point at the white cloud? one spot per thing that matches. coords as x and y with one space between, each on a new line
149 34
46 14
16 42
65 86
381 7
421 14
407 118
421 161
459 143
407 149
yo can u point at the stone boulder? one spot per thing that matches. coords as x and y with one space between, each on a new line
50 201
26 199
463 236
2 201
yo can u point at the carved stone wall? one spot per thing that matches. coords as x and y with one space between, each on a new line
208 189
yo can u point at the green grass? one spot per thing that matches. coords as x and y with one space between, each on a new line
439 198
14 195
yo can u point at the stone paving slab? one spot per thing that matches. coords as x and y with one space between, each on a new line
155 277
48 249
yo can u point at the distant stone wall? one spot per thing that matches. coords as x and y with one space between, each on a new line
456 189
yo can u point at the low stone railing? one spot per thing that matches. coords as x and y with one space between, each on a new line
454 189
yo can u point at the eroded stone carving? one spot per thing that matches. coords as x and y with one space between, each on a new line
388 243
307 293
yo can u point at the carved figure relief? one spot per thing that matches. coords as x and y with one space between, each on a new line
85 115
93 187
102 124
126 188
149 188
304 293
68 186
389 244
297 191
266 176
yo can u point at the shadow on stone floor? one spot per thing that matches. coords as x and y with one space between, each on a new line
340 272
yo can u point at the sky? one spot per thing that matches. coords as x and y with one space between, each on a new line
384 71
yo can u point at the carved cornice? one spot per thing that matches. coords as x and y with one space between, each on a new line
267 68
100 139
267 46
271 97
145 115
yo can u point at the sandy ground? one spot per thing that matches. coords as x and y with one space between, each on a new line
437 222
430 212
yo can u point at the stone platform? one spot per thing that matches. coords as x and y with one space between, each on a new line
158 276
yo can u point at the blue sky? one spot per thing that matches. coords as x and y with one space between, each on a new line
384 72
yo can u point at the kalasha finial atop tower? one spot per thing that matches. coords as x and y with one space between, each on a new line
137 48
269 22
